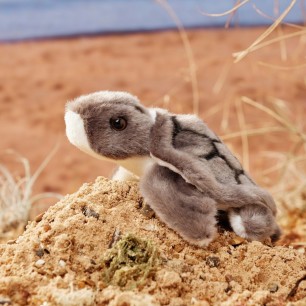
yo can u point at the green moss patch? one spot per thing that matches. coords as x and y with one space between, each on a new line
130 261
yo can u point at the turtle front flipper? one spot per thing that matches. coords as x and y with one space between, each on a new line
180 205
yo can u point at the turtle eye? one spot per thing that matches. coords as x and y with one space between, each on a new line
118 124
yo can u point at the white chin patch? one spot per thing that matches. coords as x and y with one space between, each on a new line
75 131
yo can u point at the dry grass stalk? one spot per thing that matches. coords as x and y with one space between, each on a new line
274 40
222 78
284 68
189 54
161 100
16 196
232 10
283 49
287 124
261 13
282 44
244 137
253 132
290 188
240 55
232 15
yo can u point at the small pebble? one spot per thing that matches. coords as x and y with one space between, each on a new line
149 227
237 241
228 289
176 255
301 250
115 238
88 212
11 242
47 227
273 287
46 251
19 239
90 282
202 276
179 247
92 262
187 268
62 263
196 302
81 284
170 279
191 260
101 285
39 263
213 261
39 252
228 278
39 217
147 211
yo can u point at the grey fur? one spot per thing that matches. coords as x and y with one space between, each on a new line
194 175
181 206
96 114
208 176
258 222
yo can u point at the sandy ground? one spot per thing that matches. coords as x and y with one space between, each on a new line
100 247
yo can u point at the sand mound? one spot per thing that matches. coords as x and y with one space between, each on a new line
101 246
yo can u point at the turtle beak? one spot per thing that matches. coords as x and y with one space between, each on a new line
75 130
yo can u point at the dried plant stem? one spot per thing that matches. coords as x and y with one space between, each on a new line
274 115
232 10
272 41
300 49
253 132
174 89
232 14
244 137
16 194
222 77
282 44
225 114
272 169
261 13
240 55
281 67
189 54
45 195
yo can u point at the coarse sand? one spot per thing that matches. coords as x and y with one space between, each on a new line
62 258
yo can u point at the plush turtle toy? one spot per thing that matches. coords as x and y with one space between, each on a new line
186 172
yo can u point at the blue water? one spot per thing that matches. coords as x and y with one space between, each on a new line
31 19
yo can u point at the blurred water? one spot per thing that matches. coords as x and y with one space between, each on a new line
30 19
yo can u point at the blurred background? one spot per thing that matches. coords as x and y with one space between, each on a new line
239 65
